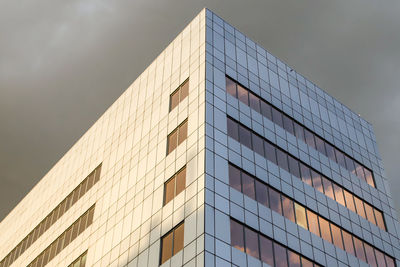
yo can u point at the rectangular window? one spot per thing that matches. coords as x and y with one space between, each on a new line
237 236
348 243
175 185
233 129
313 178
177 136
275 200
179 94
300 216
55 248
290 125
50 219
325 229
248 186
288 210
231 87
80 261
262 193
172 242
261 247
234 178
313 223
358 245
337 236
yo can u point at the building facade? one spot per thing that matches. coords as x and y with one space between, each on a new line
218 154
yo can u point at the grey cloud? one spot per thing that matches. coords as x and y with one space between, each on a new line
63 63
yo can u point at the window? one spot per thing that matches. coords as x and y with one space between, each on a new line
262 193
300 216
275 200
175 185
290 125
337 236
230 87
234 178
313 223
177 136
237 240
179 94
80 261
62 241
288 210
172 242
51 218
248 186
261 247
309 176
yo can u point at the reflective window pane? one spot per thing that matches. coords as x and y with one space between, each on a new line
288 124
313 222
280 256
379 219
230 87
337 236
277 117
237 240
233 129
369 252
306 263
309 138
299 131
339 194
266 251
350 164
258 144
330 152
243 95
178 238
294 259
358 245
172 141
305 174
251 241
380 258
184 90
166 251
174 100
180 181
182 132
169 190
262 193
270 152
368 177
266 110
234 178
328 188
275 200
282 159
245 136
389 261
254 102
359 207
340 158
294 166
325 229
288 210
300 215
348 243
359 170
349 201
248 186
370 213
317 182
320 145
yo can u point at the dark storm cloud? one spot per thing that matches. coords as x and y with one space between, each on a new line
63 63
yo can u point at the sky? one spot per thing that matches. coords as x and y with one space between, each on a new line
63 63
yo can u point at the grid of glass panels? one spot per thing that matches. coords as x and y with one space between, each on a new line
267 250
297 213
53 216
172 242
175 185
177 136
267 110
179 94
64 239
80 261
308 175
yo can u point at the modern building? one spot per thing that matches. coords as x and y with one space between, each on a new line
219 154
